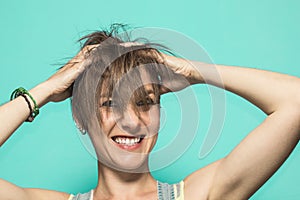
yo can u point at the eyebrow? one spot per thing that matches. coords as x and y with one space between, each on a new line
149 91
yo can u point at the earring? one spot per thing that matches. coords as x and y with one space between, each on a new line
82 130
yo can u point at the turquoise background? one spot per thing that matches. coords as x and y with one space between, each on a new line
36 35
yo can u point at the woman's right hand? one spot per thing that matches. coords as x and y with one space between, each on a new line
56 88
60 84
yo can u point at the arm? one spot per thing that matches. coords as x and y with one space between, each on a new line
14 113
55 89
13 192
264 150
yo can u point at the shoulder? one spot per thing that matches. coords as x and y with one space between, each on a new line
42 194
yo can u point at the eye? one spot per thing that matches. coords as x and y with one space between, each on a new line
108 103
148 102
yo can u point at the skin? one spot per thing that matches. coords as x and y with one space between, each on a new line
127 124
235 176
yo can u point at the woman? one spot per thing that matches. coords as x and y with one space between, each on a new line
121 116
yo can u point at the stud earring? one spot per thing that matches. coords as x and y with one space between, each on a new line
82 130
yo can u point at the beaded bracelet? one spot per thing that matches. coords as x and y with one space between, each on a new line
25 94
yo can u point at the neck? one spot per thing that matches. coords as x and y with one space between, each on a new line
113 184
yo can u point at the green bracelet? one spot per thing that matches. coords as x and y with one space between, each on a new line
22 92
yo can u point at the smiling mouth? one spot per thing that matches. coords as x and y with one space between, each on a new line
127 141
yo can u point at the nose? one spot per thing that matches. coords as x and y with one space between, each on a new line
129 121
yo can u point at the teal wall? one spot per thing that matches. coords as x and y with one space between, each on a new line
36 35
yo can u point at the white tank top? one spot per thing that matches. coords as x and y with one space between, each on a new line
165 191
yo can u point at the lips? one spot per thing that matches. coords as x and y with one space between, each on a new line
128 142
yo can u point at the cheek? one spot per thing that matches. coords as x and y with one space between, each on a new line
107 121
153 119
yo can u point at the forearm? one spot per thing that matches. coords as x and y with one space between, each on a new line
269 144
57 88
269 91
14 113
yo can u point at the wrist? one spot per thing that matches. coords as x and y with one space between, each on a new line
41 93
31 102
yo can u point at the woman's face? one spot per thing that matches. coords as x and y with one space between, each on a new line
127 137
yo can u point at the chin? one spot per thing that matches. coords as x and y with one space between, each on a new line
130 163
117 157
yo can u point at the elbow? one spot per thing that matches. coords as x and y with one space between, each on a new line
293 104
297 100
296 94
291 99
292 113
295 97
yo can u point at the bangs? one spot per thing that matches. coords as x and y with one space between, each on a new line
129 80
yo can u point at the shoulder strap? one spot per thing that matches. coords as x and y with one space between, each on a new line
167 191
85 196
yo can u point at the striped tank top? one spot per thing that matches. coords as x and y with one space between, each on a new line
165 191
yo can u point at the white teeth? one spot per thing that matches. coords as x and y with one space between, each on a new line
127 141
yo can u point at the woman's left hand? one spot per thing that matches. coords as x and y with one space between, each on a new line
180 73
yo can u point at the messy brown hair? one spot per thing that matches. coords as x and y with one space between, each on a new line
116 59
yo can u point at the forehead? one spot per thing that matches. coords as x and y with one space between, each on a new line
137 78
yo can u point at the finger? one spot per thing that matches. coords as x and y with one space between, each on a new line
164 90
85 51
130 44
74 70
81 56
82 66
